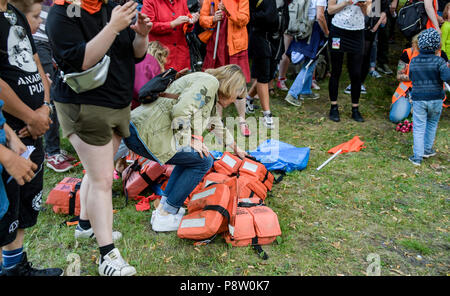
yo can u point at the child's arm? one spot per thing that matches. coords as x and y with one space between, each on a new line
13 142
445 72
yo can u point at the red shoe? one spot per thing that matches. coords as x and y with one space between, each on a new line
58 163
67 156
245 131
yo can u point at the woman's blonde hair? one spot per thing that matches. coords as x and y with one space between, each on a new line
159 52
231 80
415 42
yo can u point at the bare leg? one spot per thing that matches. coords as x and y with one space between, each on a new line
17 243
263 93
97 199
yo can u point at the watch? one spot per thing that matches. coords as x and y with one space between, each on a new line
50 106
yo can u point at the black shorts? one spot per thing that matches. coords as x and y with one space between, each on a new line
24 201
263 69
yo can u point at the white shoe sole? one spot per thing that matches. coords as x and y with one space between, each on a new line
58 170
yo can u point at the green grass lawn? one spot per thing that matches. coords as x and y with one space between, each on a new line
373 201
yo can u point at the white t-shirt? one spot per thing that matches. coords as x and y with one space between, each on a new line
312 10
349 18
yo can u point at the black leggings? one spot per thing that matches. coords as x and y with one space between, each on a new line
354 62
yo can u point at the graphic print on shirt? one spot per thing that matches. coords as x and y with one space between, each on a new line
20 52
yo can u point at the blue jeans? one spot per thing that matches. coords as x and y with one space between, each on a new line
189 170
303 81
400 110
426 116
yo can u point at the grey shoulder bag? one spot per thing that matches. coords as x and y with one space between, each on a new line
92 78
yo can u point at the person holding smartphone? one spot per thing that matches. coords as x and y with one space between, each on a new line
346 37
96 120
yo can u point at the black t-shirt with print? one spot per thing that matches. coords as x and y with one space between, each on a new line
17 66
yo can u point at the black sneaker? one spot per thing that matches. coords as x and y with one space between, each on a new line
24 268
357 116
334 113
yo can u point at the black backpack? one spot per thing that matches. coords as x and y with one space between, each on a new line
412 18
158 84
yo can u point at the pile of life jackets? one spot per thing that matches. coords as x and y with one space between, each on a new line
230 201
65 197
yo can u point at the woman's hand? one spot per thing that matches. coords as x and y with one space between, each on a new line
200 147
143 25
179 21
218 16
239 152
122 16
40 122
195 18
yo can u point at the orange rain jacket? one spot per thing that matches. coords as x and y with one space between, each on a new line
238 18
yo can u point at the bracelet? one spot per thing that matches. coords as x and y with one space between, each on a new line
49 106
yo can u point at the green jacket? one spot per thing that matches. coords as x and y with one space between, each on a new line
166 125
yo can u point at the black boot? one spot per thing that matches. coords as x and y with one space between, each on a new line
24 268
334 113
356 115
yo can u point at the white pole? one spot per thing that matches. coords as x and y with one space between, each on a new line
329 159
217 40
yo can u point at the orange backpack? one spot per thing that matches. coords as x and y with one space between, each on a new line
65 197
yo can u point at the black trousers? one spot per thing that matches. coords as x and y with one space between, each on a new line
354 67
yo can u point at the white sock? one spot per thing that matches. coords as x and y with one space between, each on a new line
266 113
249 98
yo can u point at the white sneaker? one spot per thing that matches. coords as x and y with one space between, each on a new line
89 233
114 265
348 89
314 85
268 121
180 213
166 223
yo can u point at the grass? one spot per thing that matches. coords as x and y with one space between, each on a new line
373 201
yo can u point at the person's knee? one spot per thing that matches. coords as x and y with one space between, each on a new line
102 183
207 163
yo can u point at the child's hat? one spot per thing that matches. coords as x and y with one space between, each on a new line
429 40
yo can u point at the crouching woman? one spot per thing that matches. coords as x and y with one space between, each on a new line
170 131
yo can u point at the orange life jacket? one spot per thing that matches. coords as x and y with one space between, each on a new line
228 164
65 197
137 178
255 226
207 213
405 86
256 169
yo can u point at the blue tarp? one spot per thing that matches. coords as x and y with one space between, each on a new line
277 155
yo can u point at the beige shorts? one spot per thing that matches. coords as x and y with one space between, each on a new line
94 125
